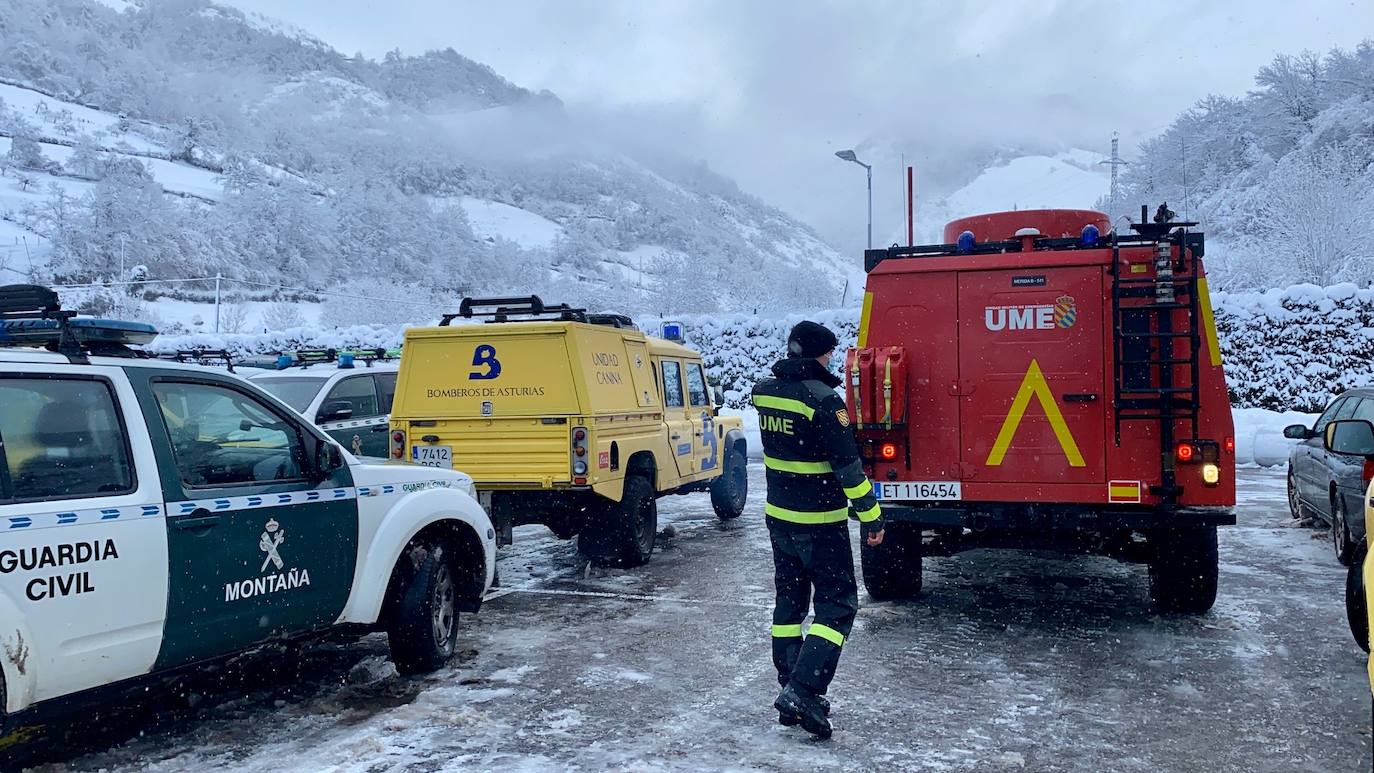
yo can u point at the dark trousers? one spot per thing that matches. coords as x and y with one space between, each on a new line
805 560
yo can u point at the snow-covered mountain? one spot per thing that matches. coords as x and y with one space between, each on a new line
190 139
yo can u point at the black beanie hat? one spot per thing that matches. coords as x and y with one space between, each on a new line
809 339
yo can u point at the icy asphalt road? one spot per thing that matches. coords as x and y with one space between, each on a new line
1008 661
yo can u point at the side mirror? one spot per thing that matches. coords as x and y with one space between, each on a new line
328 458
1350 436
1297 432
719 395
338 410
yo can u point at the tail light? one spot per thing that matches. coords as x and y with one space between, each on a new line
398 444
1211 474
1185 452
579 456
1368 473
1229 444
887 451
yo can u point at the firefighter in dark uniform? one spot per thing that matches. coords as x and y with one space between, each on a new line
815 480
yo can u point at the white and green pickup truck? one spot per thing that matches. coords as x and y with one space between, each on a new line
155 516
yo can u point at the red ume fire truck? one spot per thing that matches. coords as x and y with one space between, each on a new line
1041 381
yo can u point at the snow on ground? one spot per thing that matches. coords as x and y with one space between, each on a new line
43 111
1259 435
492 219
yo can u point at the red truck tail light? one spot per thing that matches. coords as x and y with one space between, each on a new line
398 444
1185 452
1229 444
887 451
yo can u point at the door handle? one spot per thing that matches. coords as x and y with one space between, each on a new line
197 521
381 428
676 437
1082 397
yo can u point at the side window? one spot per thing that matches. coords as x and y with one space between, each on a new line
1352 404
62 439
1364 411
672 385
1329 415
223 437
386 390
359 392
696 386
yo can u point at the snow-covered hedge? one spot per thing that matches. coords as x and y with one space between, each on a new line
1289 349
1295 348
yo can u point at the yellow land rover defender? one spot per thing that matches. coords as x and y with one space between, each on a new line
577 421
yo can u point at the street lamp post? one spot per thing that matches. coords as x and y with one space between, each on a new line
848 155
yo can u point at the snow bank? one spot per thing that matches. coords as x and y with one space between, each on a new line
1259 435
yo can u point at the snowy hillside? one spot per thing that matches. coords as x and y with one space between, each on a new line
1073 179
201 141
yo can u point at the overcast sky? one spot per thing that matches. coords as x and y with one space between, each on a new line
767 90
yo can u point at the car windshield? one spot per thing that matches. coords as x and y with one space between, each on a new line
295 392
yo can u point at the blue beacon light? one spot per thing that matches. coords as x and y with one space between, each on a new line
1090 235
966 242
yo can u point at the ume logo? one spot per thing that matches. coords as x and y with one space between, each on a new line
1063 313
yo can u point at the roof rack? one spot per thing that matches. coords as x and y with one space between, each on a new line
201 357
32 316
531 309
1148 233
304 358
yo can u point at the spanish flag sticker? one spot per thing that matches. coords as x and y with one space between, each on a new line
1123 491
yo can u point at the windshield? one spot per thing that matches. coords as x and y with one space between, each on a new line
295 392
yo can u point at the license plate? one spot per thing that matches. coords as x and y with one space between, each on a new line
921 490
432 456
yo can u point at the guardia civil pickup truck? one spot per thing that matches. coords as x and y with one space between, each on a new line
573 420
155 516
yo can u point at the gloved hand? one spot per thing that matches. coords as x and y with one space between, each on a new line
873 532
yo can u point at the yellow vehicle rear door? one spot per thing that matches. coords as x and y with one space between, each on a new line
678 417
706 443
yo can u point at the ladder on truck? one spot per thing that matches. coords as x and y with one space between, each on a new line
1156 348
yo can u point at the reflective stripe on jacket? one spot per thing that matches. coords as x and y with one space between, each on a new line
812 461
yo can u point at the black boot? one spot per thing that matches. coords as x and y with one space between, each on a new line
791 720
797 701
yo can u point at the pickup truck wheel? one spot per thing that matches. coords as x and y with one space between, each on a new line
1183 569
422 627
1356 599
730 491
892 570
624 534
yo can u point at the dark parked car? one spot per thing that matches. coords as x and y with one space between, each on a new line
1327 485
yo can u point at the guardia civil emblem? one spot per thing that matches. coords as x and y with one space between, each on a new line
272 537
